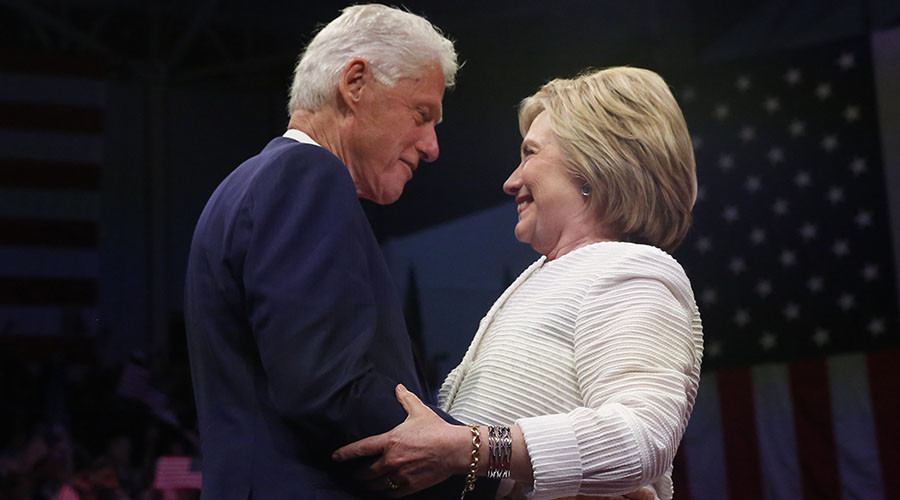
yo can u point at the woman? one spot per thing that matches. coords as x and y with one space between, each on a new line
592 356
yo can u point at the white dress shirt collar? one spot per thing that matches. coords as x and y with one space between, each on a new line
300 136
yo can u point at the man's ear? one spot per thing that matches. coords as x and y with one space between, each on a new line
354 78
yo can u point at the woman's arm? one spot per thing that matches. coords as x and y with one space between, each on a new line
425 450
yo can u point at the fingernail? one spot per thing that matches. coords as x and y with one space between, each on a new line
402 388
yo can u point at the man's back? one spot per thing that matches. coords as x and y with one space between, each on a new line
294 329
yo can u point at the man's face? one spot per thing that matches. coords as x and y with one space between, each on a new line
393 130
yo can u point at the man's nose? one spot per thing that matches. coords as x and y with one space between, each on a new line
428 146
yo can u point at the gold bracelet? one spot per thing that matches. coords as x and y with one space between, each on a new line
473 465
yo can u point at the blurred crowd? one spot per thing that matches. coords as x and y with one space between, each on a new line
74 429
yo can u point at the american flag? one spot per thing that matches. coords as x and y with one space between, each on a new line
177 472
52 125
790 253
790 258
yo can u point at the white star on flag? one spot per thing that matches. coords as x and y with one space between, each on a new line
721 112
780 207
829 143
858 166
793 76
797 128
730 214
791 311
870 272
742 317
758 236
821 337
846 61
808 231
863 219
815 284
840 248
847 301
776 155
835 195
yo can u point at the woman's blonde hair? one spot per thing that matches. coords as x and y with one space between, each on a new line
623 133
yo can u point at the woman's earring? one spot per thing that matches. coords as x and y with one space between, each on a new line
586 189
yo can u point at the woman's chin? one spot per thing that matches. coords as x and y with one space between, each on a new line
522 235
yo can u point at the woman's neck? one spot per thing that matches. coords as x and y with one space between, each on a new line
571 246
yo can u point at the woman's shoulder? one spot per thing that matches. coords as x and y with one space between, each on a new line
620 260
613 254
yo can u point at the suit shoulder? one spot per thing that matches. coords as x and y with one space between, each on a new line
286 164
286 156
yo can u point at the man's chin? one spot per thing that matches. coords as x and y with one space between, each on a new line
388 197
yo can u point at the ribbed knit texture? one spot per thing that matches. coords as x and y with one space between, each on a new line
596 356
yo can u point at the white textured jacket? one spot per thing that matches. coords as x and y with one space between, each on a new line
596 356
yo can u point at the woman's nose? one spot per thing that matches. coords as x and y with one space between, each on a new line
514 182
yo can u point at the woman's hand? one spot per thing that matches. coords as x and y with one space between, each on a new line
422 451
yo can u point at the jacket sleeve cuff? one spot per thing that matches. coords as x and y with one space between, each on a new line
555 455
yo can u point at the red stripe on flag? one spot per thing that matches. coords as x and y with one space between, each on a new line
173 473
814 428
679 476
51 117
884 389
739 433
29 174
48 233
23 291
45 349
52 63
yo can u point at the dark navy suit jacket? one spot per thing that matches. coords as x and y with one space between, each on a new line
295 332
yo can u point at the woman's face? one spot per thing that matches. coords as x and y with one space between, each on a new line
553 214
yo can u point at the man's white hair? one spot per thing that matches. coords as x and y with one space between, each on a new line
397 44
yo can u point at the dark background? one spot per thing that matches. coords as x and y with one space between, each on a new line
180 92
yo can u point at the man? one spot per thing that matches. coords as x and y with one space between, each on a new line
295 333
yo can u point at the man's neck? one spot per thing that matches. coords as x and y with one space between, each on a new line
323 126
